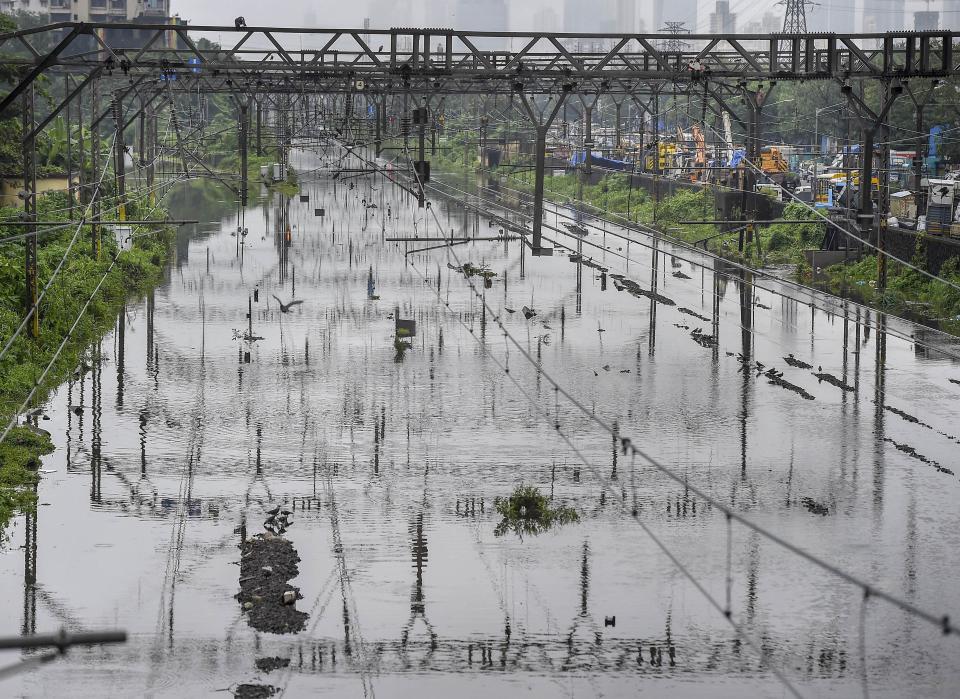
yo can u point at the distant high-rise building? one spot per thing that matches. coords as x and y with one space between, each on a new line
589 17
546 20
626 17
722 21
926 21
836 16
483 16
385 14
674 11
35 6
770 23
883 15
98 10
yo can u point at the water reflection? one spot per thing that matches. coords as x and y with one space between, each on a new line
184 461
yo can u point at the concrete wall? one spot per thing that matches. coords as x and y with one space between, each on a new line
939 248
10 188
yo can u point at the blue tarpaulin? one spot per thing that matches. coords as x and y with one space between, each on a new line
579 157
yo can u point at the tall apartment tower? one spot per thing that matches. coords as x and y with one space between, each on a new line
593 17
483 16
626 17
722 21
108 10
883 15
836 16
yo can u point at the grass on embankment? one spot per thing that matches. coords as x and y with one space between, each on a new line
908 292
135 271
781 243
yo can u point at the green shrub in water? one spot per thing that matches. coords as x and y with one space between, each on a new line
528 511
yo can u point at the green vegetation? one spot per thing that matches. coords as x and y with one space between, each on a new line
776 244
20 456
527 511
908 292
613 195
483 271
20 370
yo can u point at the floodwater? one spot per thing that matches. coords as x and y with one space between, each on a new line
172 447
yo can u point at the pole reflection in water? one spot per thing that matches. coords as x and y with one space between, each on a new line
185 460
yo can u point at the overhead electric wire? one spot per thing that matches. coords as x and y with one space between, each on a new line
34 308
840 228
684 570
39 381
941 621
814 294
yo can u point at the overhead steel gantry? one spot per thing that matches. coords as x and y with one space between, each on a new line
260 64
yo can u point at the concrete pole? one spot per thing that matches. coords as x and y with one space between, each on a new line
541 160
588 141
377 116
244 165
259 129
918 194
618 127
30 212
119 159
421 151
95 168
151 154
67 120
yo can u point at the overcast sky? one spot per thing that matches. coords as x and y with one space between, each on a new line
349 14
328 14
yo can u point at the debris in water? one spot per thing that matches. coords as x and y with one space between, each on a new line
796 363
271 664
694 314
254 691
910 451
471 270
264 592
575 228
703 340
680 275
815 507
955 381
638 291
835 381
917 421
528 312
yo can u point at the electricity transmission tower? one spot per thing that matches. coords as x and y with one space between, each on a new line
675 44
795 17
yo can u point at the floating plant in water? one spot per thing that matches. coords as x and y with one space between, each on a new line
471 270
527 511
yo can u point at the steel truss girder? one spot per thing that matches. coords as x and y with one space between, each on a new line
543 60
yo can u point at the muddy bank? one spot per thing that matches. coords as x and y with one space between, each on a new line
267 563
